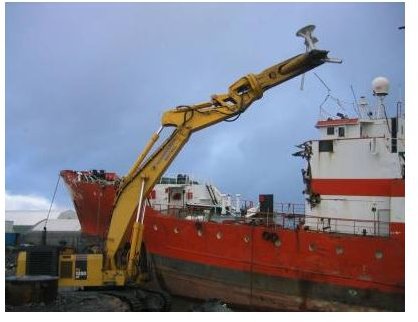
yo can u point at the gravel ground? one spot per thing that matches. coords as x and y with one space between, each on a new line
10 261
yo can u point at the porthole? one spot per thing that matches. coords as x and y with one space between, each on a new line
199 232
155 227
246 239
219 235
339 250
277 243
312 247
378 254
176 230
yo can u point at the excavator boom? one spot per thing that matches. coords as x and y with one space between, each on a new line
129 206
147 170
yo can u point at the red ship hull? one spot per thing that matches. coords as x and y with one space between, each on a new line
306 270
92 198
302 270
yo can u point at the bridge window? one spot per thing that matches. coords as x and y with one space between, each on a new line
326 146
177 196
330 130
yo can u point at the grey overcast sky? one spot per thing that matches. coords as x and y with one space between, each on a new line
86 85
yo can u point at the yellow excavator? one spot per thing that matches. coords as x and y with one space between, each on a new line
99 270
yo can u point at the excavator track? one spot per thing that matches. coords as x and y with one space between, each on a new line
158 299
142 300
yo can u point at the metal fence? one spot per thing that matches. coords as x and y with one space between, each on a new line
348 226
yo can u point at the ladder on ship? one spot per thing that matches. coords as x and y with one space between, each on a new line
212 194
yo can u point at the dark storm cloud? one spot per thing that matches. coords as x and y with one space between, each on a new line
86 84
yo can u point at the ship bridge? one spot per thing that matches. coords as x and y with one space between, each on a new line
356 175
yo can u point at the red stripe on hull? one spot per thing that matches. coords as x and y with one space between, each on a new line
360 187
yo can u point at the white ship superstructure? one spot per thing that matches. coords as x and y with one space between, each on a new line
180 191
355 177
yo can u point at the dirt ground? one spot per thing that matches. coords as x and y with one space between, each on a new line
96 302
90 301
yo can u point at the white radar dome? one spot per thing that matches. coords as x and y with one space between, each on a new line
380 86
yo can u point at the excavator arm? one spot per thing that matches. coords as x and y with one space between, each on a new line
129 205
104 269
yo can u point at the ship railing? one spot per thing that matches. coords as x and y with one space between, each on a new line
282 207
290 216
294 221
197 212
282 219
183 179
290 208
348 226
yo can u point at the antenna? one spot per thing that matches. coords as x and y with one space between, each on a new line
380 90
336 100
306 32
310 41
356 108
364 109
399 112
321 109
323 83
